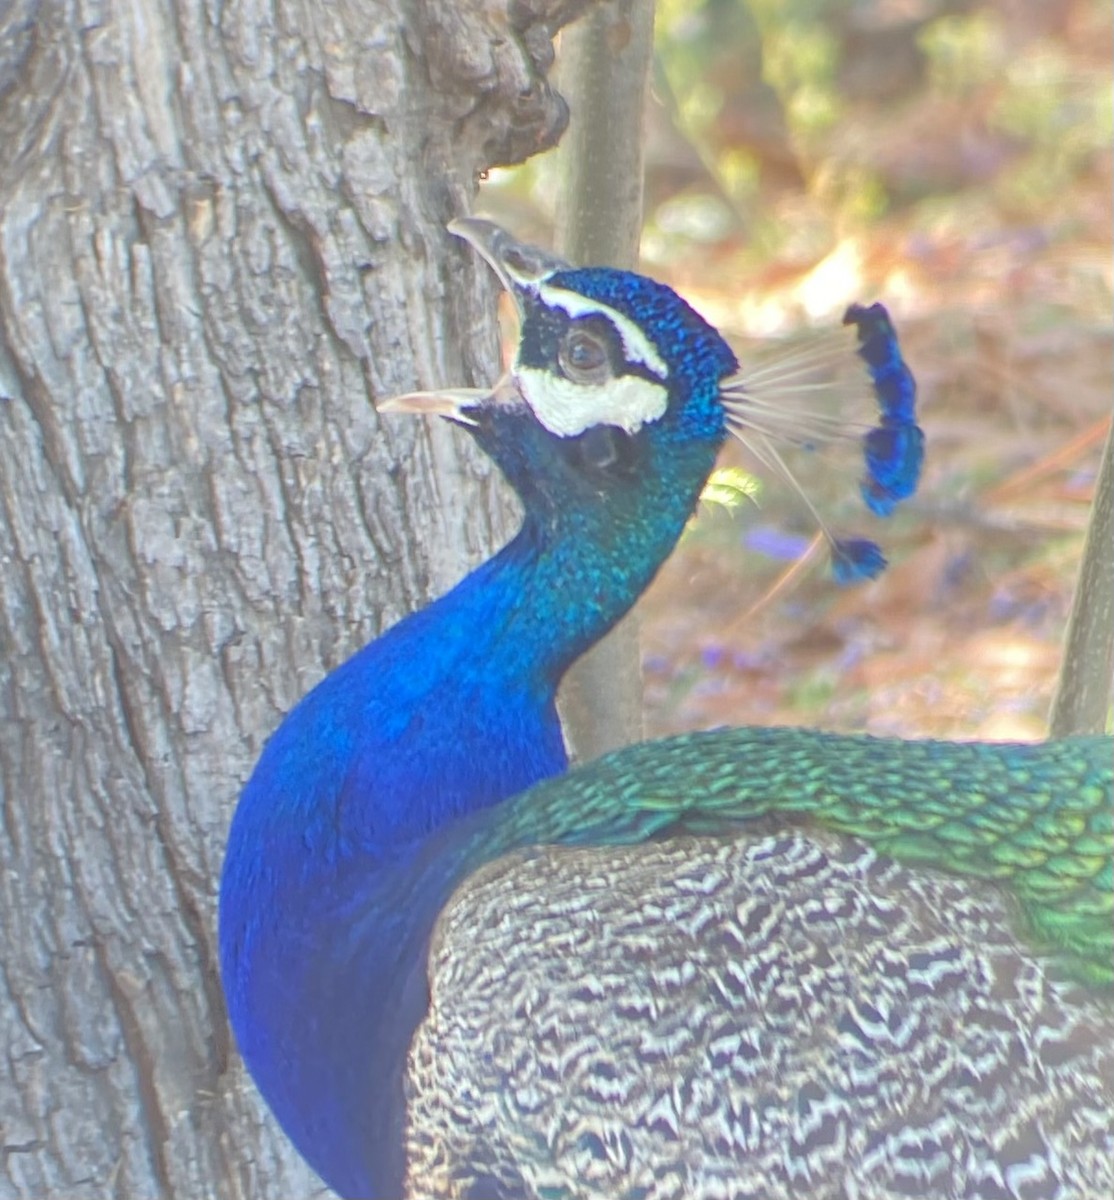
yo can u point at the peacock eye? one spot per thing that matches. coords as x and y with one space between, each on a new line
582 357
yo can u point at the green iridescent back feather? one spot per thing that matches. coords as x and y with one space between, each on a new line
1036 818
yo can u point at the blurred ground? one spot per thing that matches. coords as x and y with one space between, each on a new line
953 160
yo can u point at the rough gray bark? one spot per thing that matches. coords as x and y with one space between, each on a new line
604 74
221 235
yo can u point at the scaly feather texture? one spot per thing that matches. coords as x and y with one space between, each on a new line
783 1015
1037 818
796 1013
648 1010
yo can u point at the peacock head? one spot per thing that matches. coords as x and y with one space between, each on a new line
612 368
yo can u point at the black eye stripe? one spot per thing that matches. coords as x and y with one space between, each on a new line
544 328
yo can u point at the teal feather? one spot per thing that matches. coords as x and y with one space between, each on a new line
744 963
1036 818
893 978
786 1014
759 962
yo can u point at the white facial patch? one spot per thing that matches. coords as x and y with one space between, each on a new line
566 408
637 347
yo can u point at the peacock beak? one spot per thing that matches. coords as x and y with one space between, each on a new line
458 404
520 267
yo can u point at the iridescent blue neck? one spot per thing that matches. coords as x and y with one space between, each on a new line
342 850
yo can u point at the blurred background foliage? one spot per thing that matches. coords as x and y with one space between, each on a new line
953 159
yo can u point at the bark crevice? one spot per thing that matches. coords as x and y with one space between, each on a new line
221 238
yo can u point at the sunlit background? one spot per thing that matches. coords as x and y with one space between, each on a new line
953 160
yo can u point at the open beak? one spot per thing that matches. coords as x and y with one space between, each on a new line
520 267
458 404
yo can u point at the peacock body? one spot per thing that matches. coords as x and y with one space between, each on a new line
793 1013
747 962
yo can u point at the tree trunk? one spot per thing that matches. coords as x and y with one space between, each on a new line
221 235
604 73
1085 686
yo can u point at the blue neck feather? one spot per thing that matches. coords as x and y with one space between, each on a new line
325 912
379 792
352 831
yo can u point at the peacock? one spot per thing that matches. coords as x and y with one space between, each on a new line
748 962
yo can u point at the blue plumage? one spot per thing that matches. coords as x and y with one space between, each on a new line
894 452
894 449
325 907
681 336
366 807
330 884
894 384
856 559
